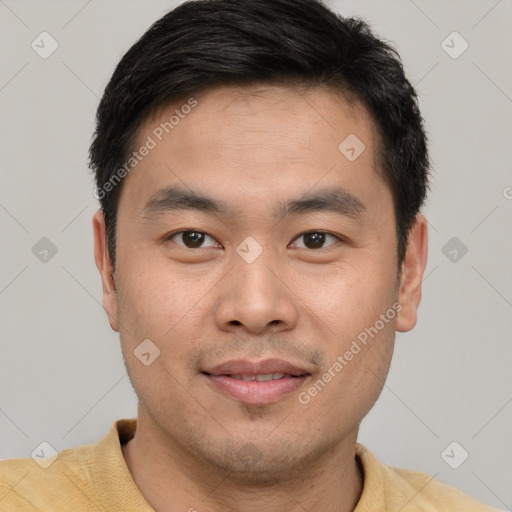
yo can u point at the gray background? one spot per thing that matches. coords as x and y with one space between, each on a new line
62 378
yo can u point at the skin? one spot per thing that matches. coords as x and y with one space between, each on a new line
253 147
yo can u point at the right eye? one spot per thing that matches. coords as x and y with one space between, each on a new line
191 238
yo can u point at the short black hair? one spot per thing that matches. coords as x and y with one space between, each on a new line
205 43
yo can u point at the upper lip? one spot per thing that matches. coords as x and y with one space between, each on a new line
244 367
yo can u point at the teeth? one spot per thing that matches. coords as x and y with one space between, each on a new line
260 378
264 378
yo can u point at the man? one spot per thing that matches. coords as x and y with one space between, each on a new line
261 165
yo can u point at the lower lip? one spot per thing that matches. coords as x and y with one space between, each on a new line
253 392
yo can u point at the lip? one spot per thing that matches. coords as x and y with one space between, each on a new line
256 392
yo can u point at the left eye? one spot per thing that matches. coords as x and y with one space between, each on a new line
191 239
315 240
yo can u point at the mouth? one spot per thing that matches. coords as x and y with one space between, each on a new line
261 383
260 377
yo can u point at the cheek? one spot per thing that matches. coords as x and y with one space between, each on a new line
166 306
154 305
350 383
155 299
355 311
361 320
347 297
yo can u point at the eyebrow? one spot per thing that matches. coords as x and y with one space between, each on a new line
176 198
332 199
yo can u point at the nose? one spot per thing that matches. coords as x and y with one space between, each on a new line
255 297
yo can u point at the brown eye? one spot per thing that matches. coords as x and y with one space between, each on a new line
315 240
191 239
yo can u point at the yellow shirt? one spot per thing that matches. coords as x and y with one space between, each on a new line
95 478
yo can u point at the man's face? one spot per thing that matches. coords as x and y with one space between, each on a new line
260 285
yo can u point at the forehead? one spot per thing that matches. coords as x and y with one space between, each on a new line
256 141
242 116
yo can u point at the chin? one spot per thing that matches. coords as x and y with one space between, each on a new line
259 463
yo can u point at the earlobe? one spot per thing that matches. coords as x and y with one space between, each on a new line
105 268
413 267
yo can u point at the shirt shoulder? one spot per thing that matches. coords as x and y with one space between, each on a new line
57 485
87 478
12 473
431 492
409 490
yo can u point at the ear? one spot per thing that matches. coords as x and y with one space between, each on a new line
105 268
413 267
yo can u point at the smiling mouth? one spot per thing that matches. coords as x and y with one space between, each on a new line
260 377
260 383
260 389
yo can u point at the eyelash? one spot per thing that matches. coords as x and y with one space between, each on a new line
170 236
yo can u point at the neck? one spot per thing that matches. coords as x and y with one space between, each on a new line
171 479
